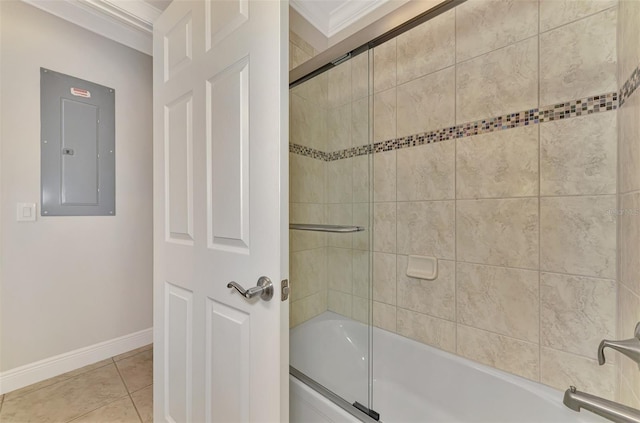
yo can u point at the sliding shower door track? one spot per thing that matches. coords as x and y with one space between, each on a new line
331 396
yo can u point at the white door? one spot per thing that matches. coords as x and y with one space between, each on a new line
220 211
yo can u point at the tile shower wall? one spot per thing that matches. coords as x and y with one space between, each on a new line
329 114
520 219
629 194
308 250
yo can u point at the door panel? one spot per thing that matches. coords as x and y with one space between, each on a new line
228 156
228 377
220 210
179 163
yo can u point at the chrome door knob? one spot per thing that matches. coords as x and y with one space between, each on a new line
264 288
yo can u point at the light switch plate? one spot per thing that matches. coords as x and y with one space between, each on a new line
26 212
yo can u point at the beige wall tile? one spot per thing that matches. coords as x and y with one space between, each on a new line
384 227
384 115
384 278
427 103
486 25
297 56
501 352
384 176
498 299
500 82
307 308
307 124
361 308
628 317
308 272
338 128
306 213
339 182
427 172
384 316
338 214
362 172
361 217
576 313
564 53
306 179
554 13
426 48
427 228
498 164
361 273
384 66
628 312
560 370
629 140
339 85
627 394
628 38
428 330
436 298
360 76
340 302
340 269
298 41
498 232
360 122
578 155
578 235
314 90
629 242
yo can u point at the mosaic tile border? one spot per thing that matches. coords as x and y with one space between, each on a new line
630 85
567 110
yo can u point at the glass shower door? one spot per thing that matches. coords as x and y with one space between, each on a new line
330 236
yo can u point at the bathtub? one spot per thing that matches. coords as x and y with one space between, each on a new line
412 381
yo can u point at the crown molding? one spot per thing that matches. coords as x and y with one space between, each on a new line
313 14
126 22
349 12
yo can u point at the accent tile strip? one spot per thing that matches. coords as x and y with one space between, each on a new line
570 109
630 85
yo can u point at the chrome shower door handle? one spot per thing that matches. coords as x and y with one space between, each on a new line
264 288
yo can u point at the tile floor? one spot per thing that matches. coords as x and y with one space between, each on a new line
116 390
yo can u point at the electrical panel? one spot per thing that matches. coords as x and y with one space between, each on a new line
77 146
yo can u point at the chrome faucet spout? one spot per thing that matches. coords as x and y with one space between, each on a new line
610 410
628 347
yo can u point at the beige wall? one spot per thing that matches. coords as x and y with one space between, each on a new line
629 197
71 282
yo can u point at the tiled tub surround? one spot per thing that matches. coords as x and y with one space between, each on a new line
522 220
628 192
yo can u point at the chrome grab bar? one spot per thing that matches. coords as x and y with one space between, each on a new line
610 410
325 228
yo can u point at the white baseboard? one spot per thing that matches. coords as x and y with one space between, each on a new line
49 367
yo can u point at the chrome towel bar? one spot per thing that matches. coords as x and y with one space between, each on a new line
326 228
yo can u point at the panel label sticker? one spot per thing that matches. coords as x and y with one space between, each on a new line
79 92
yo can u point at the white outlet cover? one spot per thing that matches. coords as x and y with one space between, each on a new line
26 212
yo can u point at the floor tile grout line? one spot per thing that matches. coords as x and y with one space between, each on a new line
11 398
135 407
97 408
122 378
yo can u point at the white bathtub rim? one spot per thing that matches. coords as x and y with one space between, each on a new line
546 392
